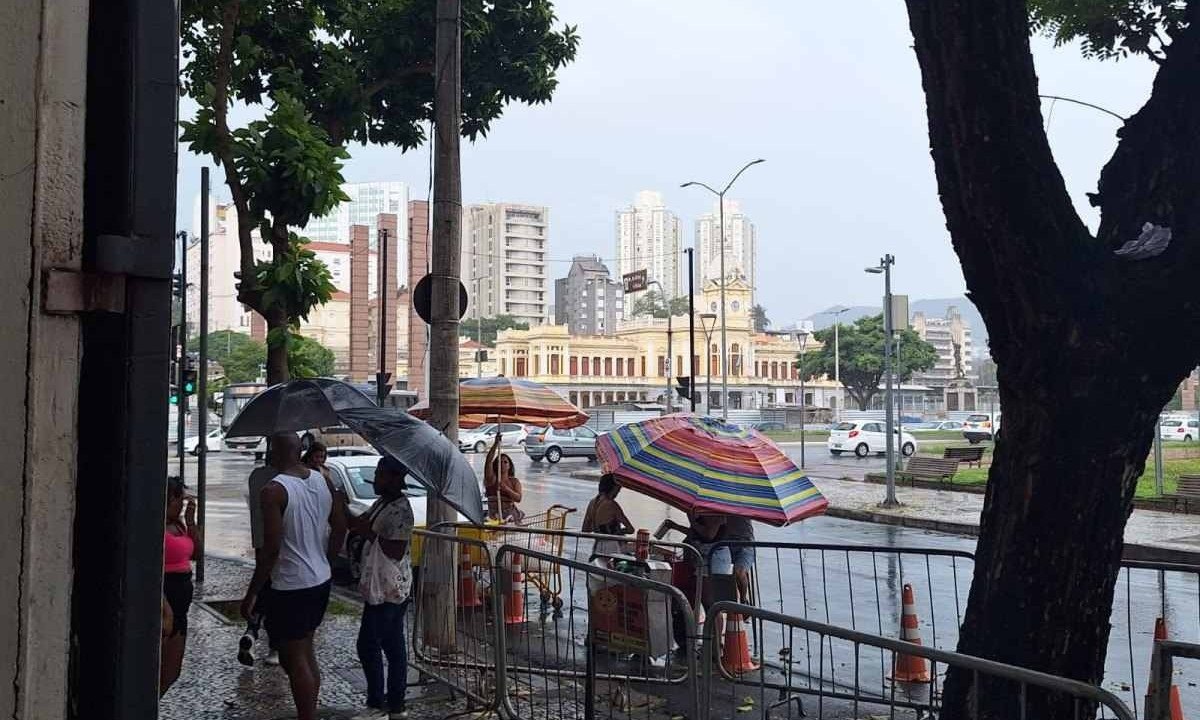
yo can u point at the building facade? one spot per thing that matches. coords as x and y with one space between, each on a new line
367 201
588 300
741 245
632 363
224 258
504 261
648 238
951 338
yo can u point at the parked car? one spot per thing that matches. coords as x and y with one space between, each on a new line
351 451
1179 429
769 426
481 438
214 442
935 426
333 436
867 437
554 445
256 445
980 427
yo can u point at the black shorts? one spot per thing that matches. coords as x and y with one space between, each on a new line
294 614
177 588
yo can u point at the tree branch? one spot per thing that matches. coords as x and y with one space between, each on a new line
1005 201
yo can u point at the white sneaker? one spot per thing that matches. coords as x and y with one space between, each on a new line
272 658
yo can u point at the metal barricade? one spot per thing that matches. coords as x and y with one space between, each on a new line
859 692
467 663
1164 701
613 652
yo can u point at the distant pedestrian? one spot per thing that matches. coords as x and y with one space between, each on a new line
386 585
315 457
605 517
180 539
501 485
303 528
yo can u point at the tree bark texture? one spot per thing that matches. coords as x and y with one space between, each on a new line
438 586
1089 346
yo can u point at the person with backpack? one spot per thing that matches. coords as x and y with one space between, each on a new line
386 584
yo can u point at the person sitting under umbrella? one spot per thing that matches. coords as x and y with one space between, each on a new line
605 517
501 485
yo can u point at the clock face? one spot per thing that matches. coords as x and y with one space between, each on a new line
735 306
712 307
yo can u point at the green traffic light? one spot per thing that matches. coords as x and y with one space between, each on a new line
189 388
174 399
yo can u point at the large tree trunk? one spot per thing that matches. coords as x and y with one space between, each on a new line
277 354
1089 346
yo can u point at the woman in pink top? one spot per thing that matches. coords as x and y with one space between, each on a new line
179 548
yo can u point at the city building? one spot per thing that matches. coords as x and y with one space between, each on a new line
224 258
367 200
648 239
588 301
741 245
951 338
504 261
631 364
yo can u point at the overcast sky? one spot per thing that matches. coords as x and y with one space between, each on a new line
665 91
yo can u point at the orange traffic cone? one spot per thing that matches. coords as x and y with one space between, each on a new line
735 655
910 668
1176 704
514 609
468 593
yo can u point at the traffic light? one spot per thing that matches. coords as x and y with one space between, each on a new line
189 377
683 386
173 394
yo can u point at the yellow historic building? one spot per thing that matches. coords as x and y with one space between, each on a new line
632 364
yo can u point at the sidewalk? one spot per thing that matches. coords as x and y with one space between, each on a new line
214 686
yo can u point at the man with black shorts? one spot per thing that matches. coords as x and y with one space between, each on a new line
303 529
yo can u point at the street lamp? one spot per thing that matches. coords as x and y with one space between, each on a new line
721 214
708 321
802 338
837 357
885 268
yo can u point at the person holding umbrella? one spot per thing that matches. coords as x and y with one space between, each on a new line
501 485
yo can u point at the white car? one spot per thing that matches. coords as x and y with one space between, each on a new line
867 437
215 440
980 427
935 426
481 438
1179 429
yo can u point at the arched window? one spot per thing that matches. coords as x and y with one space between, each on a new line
714 360
735 360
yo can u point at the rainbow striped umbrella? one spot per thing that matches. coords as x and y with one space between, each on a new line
502 399
706 465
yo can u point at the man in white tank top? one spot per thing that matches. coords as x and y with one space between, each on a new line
304 527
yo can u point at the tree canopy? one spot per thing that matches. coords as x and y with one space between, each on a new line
860 347
759 319
327 73
243 357
1111 28
491 326
650 303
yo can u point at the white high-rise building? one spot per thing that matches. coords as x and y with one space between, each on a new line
648 239
741 245
504 261
366 201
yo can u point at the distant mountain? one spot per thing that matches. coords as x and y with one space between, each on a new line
934 307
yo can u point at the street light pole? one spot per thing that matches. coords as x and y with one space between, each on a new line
837 359
721 225
885 267
803 338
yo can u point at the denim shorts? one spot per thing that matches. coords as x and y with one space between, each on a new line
719 562
743 556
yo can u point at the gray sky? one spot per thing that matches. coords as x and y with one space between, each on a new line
665 91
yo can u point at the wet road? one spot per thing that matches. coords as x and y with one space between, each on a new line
849 589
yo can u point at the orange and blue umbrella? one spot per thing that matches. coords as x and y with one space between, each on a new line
707 466
503 399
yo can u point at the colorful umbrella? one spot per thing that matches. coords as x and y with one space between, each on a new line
502 399
705 465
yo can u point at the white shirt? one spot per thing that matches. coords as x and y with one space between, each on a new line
394 521
303 559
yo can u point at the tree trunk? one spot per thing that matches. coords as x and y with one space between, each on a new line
277 355
1069 326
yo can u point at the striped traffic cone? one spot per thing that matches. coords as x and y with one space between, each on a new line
514 609
909 668
468 593
735 654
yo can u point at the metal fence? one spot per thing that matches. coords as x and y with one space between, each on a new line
1164 701
990 689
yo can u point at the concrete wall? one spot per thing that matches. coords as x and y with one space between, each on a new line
42 94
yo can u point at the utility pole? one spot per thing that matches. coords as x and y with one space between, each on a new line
438 586
383 378
890 499
724 347
181 365
202 380
691 326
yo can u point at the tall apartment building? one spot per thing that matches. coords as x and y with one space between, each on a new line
648 239
224 258
367 201
945 334
741 245
504 260
588 301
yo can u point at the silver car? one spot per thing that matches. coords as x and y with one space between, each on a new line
554 445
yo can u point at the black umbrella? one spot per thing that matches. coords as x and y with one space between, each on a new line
297 405
431 458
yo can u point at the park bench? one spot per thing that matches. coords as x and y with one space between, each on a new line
930 468
1186 490
969 455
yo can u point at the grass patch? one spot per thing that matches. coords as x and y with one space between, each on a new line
1172 469
936 449
794 435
